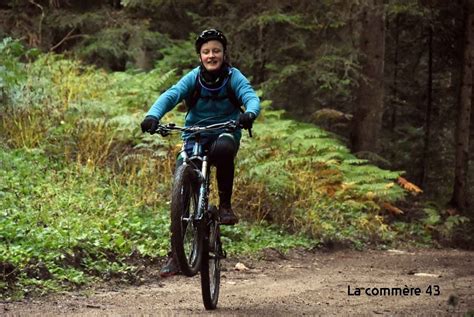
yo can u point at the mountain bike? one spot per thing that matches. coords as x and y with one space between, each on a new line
195 227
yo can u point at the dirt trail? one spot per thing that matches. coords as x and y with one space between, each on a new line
302 283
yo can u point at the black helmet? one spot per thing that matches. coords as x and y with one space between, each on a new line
209 35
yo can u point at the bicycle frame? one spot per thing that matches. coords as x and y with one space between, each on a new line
206 247
204 172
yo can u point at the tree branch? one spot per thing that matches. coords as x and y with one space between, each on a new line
41 20
66 38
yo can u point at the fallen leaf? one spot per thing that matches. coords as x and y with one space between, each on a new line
397 251
241 267
409 186
452 211
426 274
392 209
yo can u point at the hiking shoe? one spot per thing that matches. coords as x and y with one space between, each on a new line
227 216
170 268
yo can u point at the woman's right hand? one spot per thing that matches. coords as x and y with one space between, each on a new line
149 124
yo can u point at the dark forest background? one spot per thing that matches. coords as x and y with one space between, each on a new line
384 75
389 83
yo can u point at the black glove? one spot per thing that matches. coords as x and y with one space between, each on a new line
149 124
246 120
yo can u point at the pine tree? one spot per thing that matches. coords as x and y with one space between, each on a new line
367 120
460 190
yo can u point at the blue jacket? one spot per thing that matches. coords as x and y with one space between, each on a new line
208 111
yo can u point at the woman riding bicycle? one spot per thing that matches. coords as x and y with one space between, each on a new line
213 93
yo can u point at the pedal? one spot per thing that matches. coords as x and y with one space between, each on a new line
222 254
213 211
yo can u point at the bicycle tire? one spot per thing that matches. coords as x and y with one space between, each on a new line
211 266
185 240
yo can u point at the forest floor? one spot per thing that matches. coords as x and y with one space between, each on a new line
299 283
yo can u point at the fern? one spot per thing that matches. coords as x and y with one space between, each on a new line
303 168
294 174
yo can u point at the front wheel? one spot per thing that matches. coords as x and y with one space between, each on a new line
211 266
185 241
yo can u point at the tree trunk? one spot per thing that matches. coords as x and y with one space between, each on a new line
460 190
429 106
367 121
394 103
262 58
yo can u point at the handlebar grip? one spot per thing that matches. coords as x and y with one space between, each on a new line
164 133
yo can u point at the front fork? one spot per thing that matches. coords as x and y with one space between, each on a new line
203 190
207 217
206 221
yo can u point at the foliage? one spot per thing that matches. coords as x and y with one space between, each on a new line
303 47
12 71
122 47
66 224
83 192
93 204
181 55
252 237
311 183
406 111
303 54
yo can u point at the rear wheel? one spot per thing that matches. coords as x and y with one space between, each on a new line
211 266
185 241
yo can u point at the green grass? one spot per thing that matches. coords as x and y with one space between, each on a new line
65 225
70 219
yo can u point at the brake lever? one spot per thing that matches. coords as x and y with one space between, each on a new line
249 130
163 132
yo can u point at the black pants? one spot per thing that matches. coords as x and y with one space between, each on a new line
221 152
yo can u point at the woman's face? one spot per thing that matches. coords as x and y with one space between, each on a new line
212 55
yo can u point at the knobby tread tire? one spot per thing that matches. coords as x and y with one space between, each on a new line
183 195
209 296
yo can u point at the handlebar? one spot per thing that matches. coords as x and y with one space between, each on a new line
167 129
